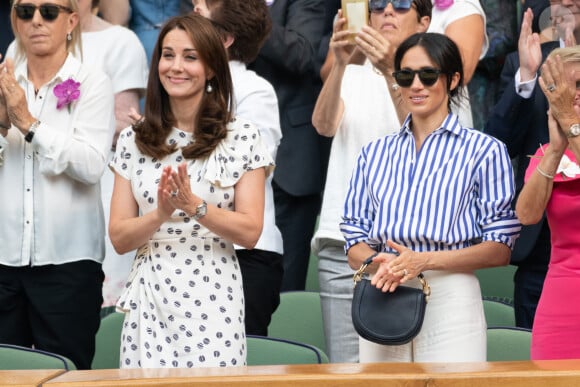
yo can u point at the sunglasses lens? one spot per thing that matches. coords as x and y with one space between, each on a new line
377 5
404 78
401 4
380 5
428 77
49 11
25 11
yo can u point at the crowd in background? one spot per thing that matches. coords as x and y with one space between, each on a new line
315 99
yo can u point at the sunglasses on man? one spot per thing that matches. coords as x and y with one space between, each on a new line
378 6
428 76
48 11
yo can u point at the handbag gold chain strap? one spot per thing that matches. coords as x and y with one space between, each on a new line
358 275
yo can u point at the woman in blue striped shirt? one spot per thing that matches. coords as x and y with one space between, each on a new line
433 198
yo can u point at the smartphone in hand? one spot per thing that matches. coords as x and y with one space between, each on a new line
356 13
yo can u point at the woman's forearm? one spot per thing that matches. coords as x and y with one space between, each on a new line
329 105
536 192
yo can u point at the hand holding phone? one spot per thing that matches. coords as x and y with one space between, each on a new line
356 13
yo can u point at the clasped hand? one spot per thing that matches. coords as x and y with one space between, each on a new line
174 192
13 105
396 269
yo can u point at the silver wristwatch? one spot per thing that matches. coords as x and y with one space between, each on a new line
200 210
574 131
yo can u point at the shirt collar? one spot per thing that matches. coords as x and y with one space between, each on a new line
236 65
69 69
450 124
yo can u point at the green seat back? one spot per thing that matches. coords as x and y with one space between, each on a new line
108 342
299 318
499 314
508 343
13 357
497 283
273 351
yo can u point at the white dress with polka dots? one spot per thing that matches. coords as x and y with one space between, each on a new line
184 300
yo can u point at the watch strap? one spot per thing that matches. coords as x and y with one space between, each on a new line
31 130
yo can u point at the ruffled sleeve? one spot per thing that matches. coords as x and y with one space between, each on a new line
124 154
241 151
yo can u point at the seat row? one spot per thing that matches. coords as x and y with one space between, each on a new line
296 334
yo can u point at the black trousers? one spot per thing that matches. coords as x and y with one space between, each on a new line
262 278
55 308
296 219
528 285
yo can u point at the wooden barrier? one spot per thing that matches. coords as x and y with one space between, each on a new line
27 378
564 373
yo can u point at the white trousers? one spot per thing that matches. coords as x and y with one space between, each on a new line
454 328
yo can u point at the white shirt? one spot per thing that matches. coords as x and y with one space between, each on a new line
50 202
119 53
256 101
442 18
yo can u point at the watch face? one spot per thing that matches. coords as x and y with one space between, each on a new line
200 211
575 130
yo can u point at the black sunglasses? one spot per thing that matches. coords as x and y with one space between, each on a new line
428 76
378 6
48 11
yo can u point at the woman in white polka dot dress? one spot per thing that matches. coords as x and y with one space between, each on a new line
189 183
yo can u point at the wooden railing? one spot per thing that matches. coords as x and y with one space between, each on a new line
525 374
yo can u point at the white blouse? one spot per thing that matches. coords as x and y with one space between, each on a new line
50 201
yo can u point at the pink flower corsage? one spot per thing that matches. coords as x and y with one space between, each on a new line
442 4
67 92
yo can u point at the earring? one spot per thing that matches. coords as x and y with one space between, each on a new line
69 37
208 88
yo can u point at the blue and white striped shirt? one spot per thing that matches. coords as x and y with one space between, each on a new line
455 192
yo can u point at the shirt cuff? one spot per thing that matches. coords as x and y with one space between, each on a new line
524 89
3 141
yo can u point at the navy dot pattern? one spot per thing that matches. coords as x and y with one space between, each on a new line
184 302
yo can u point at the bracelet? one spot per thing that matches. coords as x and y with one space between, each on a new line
4 126
547 176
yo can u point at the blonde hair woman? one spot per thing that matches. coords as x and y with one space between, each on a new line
56 126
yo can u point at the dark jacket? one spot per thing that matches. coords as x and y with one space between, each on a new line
522 124
288 60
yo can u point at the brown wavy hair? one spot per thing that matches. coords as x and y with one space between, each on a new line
248 21
213 113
